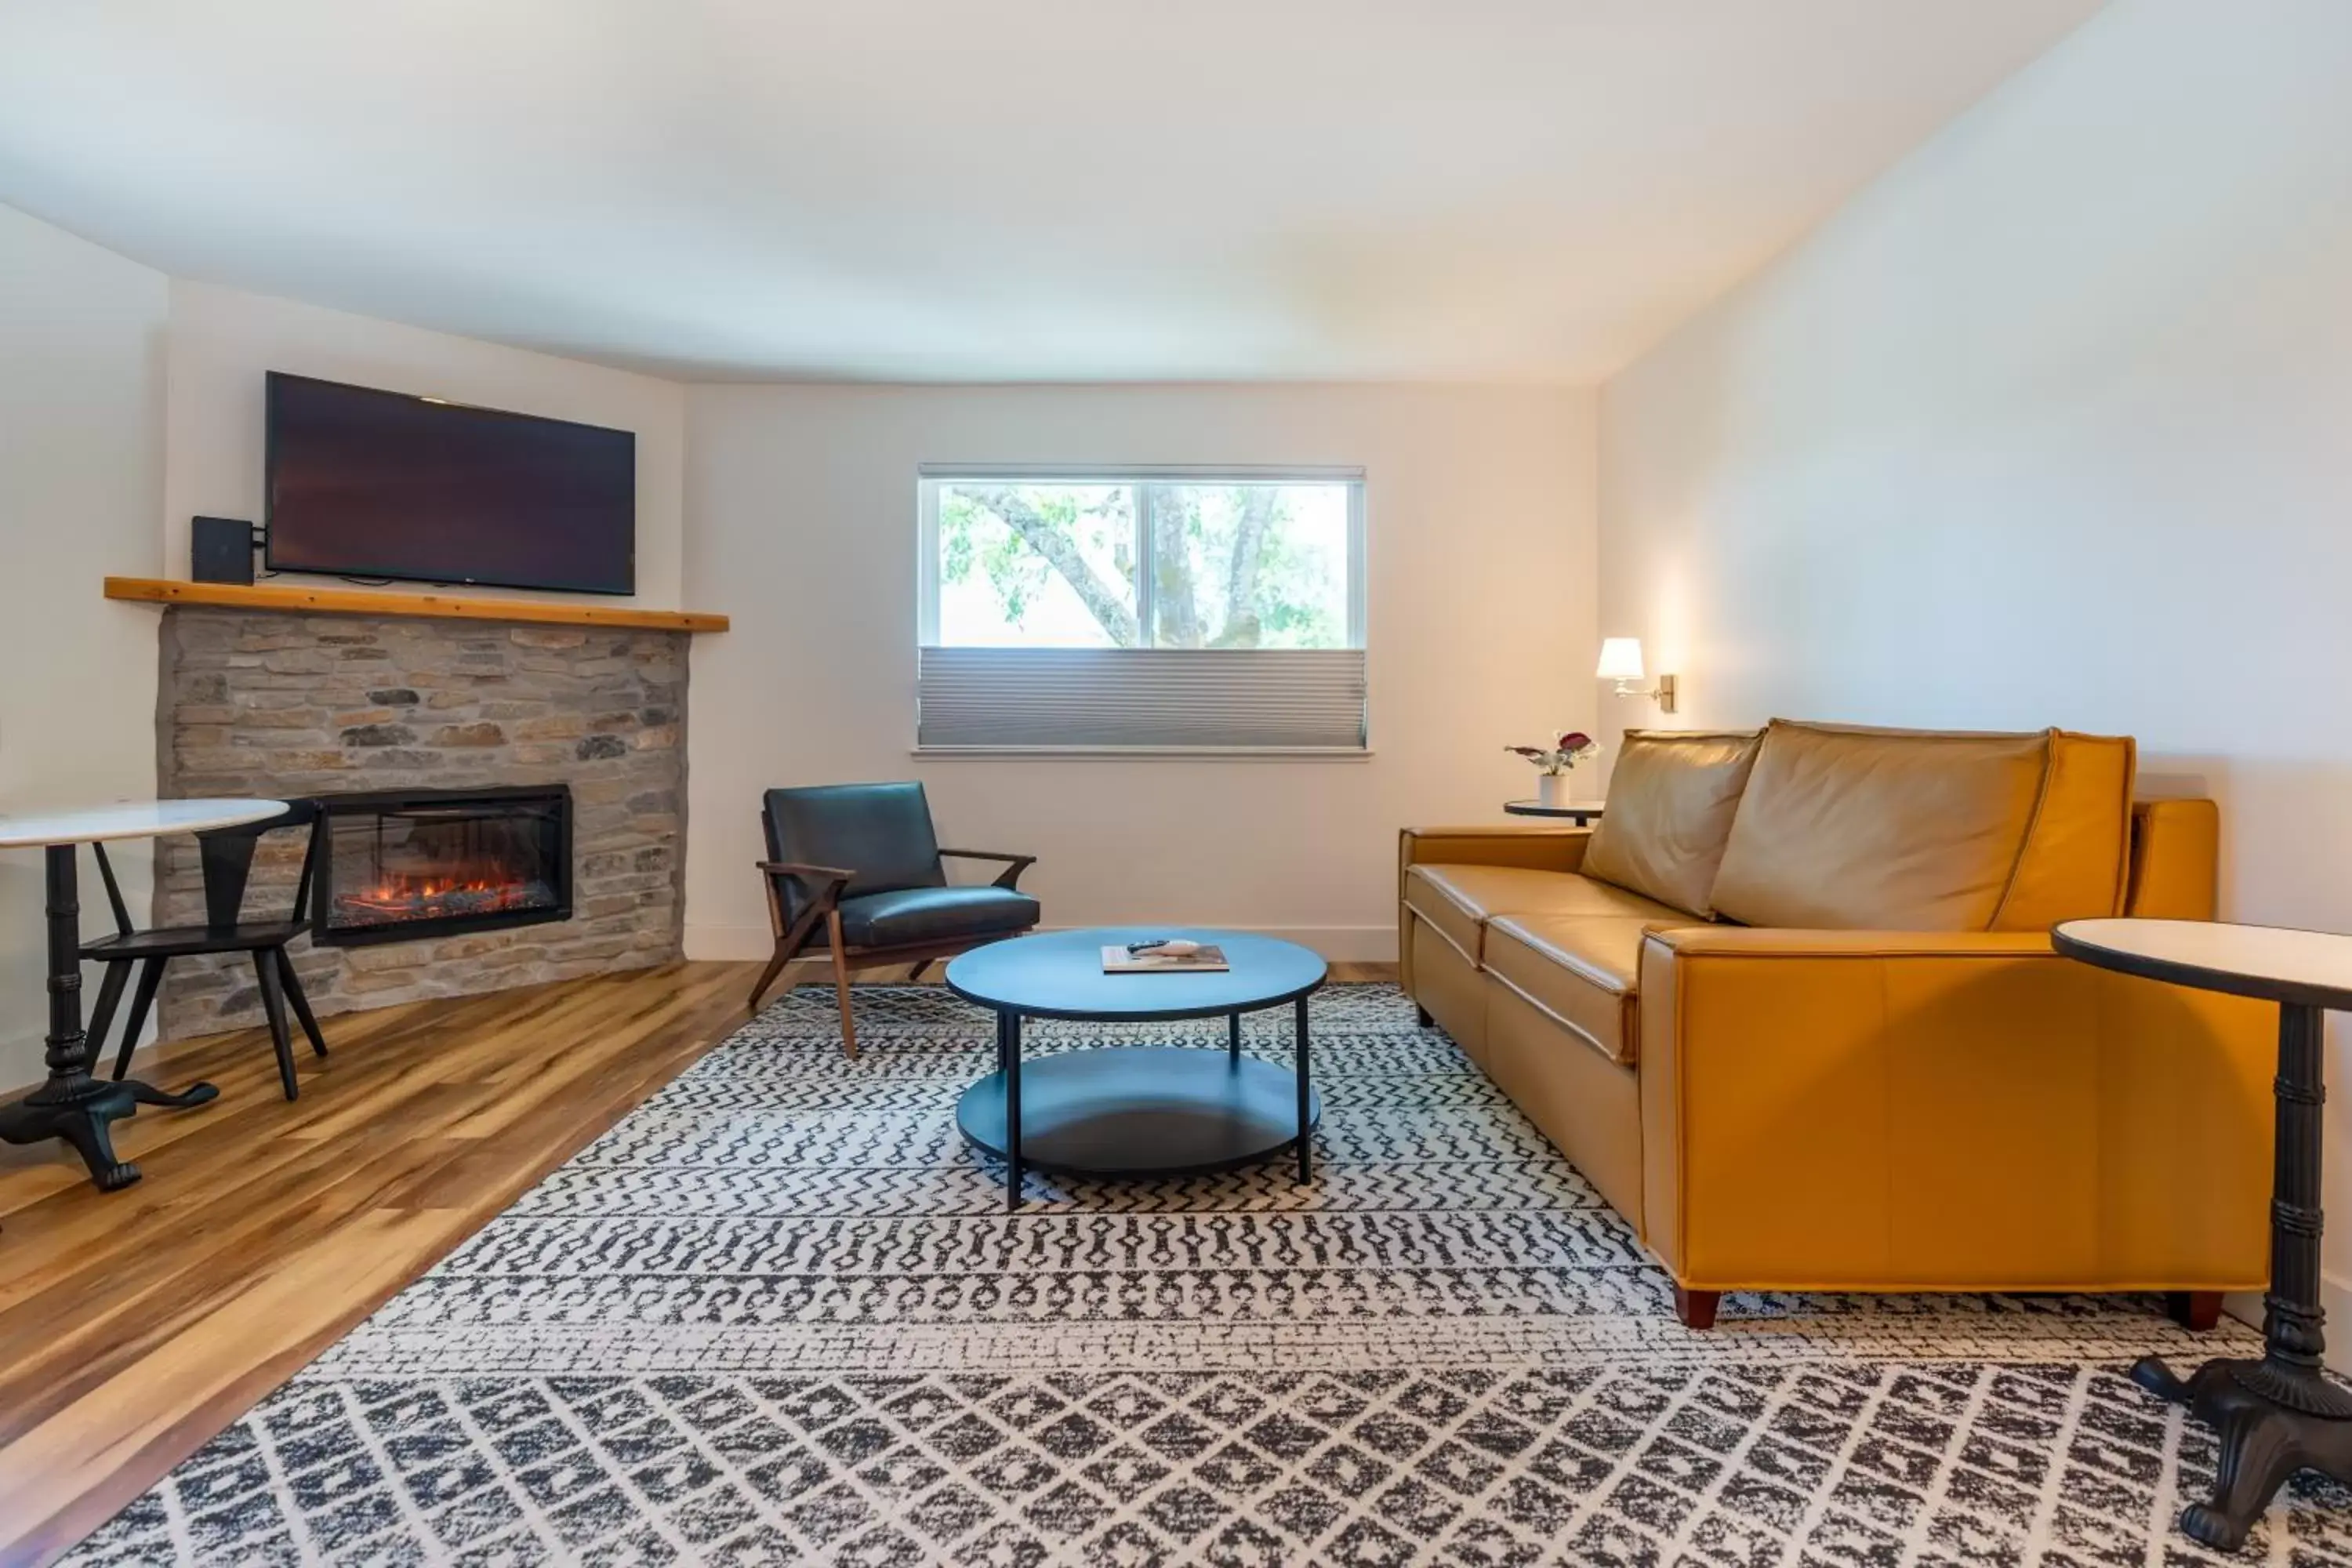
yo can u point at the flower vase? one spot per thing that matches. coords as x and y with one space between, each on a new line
1551 790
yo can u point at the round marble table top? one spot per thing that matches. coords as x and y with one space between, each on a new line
131 819
2276 963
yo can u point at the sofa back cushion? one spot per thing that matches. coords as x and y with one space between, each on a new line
2077 863
1880 829
1672 798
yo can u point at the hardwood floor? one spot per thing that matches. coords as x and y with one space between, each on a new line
135 1325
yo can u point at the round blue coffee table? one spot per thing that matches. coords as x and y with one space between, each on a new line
1137 1111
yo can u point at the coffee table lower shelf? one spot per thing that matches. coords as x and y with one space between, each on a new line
1142 1110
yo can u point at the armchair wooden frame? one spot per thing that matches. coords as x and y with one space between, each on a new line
824 884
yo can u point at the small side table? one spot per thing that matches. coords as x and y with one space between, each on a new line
71 1104
1580 812
2281 1413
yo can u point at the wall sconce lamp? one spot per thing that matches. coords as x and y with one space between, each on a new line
1620 661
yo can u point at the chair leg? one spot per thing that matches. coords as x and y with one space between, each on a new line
788 947
917 972
102 1018
301 1003
768 975
273 1003
151 975
841 983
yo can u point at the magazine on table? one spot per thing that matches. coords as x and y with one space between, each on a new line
1165 958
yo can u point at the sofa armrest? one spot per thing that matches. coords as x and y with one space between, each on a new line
1829 1110
1545 848
1534 848
1773 941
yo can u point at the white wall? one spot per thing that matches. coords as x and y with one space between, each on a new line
2053 424
800 517
224 341
81 389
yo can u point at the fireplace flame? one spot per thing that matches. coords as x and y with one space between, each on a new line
433 897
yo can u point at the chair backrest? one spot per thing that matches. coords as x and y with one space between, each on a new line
881 832
226 855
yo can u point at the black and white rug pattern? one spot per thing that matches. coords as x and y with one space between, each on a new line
779 1315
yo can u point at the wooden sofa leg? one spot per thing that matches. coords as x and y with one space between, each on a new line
2196 1311
1697 1308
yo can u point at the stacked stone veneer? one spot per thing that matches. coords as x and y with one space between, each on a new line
284 705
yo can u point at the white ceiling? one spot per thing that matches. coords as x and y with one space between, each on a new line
990 189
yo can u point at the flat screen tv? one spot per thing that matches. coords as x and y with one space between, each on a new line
364 483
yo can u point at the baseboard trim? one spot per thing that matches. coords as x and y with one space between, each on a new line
1341 945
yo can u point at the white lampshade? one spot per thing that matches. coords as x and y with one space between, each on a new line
1620 659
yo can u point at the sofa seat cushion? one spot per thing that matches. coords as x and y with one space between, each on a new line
934 914
1458 900
1583 969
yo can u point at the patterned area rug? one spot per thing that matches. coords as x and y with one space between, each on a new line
779 1315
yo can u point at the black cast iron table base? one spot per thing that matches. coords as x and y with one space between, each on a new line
71 1104
2266 1437
2281 1413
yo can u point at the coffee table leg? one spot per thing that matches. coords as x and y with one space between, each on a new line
1233 1037
2280 1414
1305 1143
1010 1023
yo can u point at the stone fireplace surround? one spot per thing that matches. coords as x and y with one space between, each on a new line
283 704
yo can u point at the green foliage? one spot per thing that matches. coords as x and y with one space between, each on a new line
1232 565
970 536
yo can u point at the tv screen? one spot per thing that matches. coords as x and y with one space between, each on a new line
379 484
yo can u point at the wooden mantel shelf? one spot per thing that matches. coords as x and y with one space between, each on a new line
430 606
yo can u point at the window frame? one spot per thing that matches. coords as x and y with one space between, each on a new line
929 477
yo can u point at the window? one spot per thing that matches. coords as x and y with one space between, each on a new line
1142 610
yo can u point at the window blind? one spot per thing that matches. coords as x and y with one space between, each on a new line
984 699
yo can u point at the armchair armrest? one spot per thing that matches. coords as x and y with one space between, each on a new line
834 877
1014 864
806 872
1870 1110
822 899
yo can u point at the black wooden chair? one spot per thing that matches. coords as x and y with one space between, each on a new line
864 861
227 856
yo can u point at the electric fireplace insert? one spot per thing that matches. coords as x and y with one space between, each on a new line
396 865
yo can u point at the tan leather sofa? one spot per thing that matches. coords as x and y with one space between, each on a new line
1792 1009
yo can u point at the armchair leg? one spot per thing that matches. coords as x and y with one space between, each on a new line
916 974
788 947
841 983
1697 1308
768 975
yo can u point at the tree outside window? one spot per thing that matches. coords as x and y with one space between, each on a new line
1165 564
